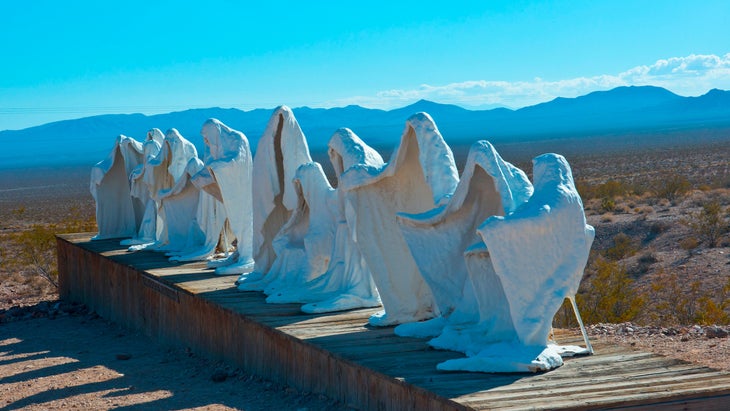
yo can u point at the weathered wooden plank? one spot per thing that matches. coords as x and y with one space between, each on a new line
625 397
597 390
454 381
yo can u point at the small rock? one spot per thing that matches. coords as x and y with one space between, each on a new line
124 356
219 376
715 332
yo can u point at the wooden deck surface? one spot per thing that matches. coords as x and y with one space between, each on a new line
338 354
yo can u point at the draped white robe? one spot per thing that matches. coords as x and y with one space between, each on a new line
168 176
537 254
225 184
279 153
438 238
421 174
140 191
116 214
347 283
304 244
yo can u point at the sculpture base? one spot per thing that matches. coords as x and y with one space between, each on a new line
339 355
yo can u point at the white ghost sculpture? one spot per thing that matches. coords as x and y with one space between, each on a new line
304 244
438 238
347 283
140 191
537 254
116 214
279 153
225 184
421 175
168 179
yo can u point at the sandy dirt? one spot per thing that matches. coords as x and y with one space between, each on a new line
57 356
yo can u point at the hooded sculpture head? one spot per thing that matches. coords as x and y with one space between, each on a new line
153 144
435 160
346 150
169 165
221 141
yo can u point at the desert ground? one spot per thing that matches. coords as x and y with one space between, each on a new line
656 281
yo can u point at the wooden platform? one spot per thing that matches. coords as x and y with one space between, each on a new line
340 356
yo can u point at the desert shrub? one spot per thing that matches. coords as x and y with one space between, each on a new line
623 246
672 187
689 244
710 223
645 210
37 246
640 187
611 189
674 302
608 295
645 261
607 204
716 311
622 208
711 313
585 189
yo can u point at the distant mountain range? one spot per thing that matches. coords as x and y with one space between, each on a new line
621 111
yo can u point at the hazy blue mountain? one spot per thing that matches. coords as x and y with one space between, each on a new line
623 110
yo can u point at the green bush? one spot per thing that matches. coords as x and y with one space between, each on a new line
608 204
37 247
710 223
608 295
672 303
672 187
623 246
611 189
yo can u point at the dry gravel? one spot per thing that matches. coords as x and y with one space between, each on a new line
706 345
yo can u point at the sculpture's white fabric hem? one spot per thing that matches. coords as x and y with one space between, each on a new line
513 357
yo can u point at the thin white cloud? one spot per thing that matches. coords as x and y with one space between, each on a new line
688 76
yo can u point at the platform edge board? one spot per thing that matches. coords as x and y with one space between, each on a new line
181 304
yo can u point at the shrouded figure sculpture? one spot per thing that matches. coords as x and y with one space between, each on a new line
279 153
304 244
140 191
116 214
532 260
438 238
168 179
347 283
225 184
421 174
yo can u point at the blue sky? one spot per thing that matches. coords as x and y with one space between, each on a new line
71 59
